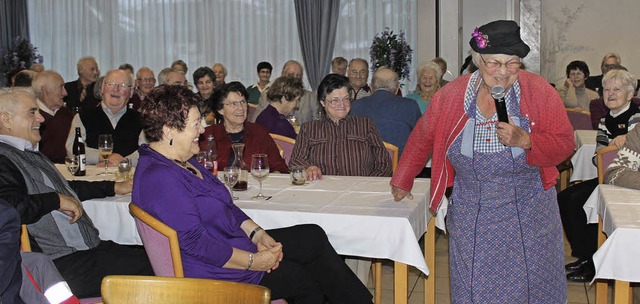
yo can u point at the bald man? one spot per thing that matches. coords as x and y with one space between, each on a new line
394 116
48 86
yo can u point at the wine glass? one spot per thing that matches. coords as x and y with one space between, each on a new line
260 171
71 162
105 144
230 177
124 167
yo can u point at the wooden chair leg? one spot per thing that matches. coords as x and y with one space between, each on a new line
376 270
601 285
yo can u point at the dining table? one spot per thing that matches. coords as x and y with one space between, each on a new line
617 209
582 160
357 213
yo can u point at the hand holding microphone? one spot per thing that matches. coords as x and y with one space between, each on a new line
498 93
508 134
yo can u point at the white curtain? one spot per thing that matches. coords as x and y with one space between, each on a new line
236 33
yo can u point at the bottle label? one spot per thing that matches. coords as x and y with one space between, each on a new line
82 165
215 167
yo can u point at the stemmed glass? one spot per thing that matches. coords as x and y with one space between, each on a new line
71 162
230 177
105 144
260 171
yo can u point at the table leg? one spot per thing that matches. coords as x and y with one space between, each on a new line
601 285
400 279
430 258
622 293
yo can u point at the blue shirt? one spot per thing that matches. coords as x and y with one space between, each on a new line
275 122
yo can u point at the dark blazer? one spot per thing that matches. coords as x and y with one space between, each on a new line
72 99
10 260
394 116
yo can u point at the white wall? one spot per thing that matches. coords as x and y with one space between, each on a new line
586 30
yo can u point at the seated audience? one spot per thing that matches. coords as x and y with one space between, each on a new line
597 107
394 116
443 69
79 92
48 86
145 82
24 78
111 117
179 66
127 67
573 93
172 77
624 171
50 205
217 239
204 78
358 75
339 66
339 144
428 75
221 73
231 102
264 75
308 108
619 86
284 96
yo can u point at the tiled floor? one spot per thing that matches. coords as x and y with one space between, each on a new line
579 293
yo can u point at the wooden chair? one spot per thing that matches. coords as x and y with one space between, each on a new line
160 242
579 119
284 143
604 157
393 152
251 108
161 290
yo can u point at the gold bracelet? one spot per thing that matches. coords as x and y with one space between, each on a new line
250 261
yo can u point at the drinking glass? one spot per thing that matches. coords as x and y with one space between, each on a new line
260 171
71 162
230 177
105 144
298 176
124 167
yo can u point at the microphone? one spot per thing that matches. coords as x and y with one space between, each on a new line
498 94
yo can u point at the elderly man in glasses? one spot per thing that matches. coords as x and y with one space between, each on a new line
145 82
111 116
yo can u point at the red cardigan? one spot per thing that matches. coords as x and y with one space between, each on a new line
551 134
256 140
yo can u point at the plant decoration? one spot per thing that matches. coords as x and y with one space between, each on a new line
392 51
482 40
19 56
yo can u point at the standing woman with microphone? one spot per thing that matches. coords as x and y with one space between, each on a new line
506 243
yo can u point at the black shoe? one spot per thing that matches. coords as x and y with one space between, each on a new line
571 267
583 275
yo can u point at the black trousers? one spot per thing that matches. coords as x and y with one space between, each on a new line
311 269
582 236
84 270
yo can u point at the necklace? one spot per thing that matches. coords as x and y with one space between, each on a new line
183 164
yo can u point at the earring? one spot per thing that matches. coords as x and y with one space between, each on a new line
171 142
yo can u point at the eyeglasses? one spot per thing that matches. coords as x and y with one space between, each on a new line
235 104
119 86
513 65
147 79
337 101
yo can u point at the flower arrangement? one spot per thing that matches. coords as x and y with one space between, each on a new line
19 56
392 51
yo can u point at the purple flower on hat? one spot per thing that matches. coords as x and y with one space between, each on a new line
482 40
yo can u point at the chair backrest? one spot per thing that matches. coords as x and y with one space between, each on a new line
25 244
604 158
161 290
160 242
393 152
284 143
580 120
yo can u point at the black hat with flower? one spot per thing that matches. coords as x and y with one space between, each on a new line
499 37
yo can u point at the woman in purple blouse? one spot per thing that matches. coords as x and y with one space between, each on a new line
217 239
284 96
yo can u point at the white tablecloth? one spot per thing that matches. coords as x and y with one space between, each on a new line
617 258
583 167
358 214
